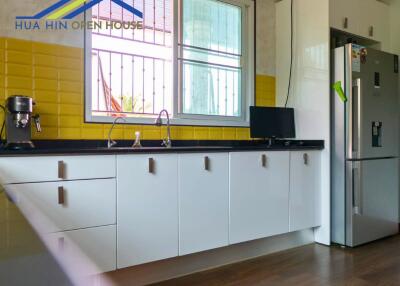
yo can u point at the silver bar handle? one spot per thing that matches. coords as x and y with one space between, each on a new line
207 163
264 160
61 196
345 23
356 118
61 170
305 159
151 165
357 190
359 115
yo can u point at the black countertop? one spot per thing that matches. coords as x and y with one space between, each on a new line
77 147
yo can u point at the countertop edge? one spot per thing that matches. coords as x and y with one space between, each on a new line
48 149
147 151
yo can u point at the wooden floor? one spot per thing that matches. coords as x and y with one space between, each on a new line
374 264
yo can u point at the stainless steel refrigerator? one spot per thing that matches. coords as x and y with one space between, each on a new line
365 171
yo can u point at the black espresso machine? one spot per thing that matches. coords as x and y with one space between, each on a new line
18 119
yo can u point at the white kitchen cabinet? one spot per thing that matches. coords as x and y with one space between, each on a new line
147 208
127 210
345 15
366 18
98 244
55 168
375 21
203 186
305 185
259 195
69 204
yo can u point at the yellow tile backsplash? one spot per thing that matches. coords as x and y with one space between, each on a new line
18 70
44 60
53 76
18 82
17 57
228 133
265 90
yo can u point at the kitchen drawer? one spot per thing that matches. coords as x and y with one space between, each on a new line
55 168
86 251
70 204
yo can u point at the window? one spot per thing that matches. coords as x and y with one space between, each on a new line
193 58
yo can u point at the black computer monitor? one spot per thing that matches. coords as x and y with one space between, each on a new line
272 122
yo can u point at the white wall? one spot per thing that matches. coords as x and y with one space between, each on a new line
265 37
310 92
395 26
12 8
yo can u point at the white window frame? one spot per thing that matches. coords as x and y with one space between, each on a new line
247 73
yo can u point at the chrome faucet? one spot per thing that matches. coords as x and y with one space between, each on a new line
167 141
111 142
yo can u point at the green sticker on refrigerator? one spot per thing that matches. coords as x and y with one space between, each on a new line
337 86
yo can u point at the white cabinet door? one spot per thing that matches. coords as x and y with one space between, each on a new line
147 213
86 251
375 21
305 177
55 168
203 201
366 18
259 190
69 204
345 15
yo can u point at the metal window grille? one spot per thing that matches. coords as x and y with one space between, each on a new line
132 68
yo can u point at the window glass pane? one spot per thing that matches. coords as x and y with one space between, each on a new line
211 90
211 58
132 68
213 25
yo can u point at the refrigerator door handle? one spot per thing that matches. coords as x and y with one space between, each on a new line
355 118
357 189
